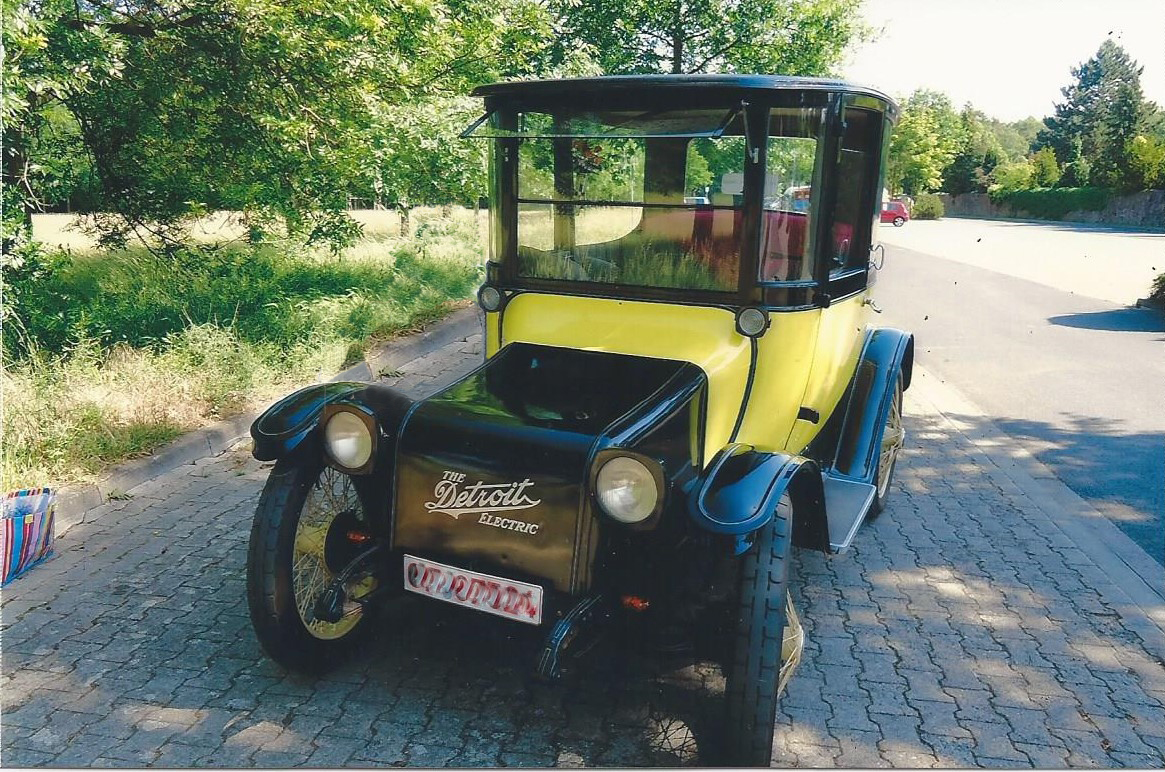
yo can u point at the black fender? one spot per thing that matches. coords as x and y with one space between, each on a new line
739 491
886 354
291 422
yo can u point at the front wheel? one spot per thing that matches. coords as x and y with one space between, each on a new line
763 653
301 538
898 221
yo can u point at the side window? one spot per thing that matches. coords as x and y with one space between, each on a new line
856 180
788 212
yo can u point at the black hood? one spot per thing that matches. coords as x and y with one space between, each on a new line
491 472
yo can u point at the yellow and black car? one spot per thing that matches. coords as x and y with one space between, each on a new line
679 378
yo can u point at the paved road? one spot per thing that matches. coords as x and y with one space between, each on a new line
967 627
1097 261
1077 379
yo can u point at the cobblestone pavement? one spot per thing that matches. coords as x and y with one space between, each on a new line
962 630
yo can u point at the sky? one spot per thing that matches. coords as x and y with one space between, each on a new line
1007 57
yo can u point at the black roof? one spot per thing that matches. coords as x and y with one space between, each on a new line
550 88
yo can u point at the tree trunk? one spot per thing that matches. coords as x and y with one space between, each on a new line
404 220
677 40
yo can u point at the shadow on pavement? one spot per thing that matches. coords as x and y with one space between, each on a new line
1119 320
1099 458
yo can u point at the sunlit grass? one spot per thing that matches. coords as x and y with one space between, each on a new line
121 352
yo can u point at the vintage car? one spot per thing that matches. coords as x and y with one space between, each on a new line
673 391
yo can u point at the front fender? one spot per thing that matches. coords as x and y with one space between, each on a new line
739 491
283 427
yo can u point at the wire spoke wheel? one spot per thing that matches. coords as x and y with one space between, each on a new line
333 498
309 526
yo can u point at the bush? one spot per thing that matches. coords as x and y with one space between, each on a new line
1016 175
928 206
1157 294
1053 204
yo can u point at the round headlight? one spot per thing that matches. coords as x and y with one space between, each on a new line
626 489
751 322
489 298
348 440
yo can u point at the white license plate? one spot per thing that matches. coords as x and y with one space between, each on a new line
492 594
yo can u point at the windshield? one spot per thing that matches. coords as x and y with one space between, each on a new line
626 201
618 198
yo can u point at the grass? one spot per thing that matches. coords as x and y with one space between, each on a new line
109 355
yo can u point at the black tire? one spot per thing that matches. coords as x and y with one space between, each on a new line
898 221
892 439
295 488
754 666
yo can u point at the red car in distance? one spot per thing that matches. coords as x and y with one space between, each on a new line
895 212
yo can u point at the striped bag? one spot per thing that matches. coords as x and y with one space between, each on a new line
27 536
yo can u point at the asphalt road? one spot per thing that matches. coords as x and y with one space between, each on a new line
1064 367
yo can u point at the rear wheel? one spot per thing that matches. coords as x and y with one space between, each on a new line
892 440
299 542
766 645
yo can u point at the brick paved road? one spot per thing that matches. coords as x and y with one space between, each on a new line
962 630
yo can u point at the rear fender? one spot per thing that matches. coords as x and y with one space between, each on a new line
739 491
886 354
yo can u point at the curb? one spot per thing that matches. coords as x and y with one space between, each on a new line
1138 581
73 502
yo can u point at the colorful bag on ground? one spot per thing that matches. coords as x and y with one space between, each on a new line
27 536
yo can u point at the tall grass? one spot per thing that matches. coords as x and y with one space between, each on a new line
109 355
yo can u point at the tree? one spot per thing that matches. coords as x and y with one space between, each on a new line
977 156
1045 170
924 143
791 37
262 106
1014 175
417 157
1147 161
1101 110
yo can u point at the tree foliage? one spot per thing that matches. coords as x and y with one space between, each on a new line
262 106
925 142
790 37
979 152
1045 170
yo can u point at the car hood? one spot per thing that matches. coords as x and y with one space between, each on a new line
491 472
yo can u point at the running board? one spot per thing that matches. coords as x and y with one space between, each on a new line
846 504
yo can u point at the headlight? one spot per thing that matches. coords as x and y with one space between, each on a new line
626 489
489 298
348 440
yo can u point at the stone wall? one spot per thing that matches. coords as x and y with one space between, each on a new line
1145 209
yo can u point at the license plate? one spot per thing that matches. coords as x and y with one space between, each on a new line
492 594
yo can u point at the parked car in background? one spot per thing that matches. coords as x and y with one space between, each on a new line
895 212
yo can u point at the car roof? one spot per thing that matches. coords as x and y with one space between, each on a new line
609 83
